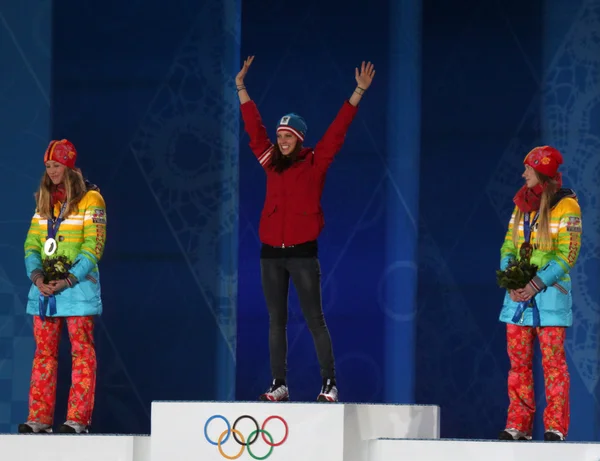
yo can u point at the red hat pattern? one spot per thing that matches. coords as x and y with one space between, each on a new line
62 151
545 160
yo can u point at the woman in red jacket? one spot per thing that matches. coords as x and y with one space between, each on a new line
291 222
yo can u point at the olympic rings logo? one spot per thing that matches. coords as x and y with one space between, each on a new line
252 437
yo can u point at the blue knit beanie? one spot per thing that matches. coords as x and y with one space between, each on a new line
294 124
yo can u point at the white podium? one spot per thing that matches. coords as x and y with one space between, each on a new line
58 447
209 431
476 450
282 431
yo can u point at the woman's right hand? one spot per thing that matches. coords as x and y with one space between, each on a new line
239 78
514 295
46 290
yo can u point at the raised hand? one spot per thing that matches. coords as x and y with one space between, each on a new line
239 78
364 78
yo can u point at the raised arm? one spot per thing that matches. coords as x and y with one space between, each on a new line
333 139
260 144
239 81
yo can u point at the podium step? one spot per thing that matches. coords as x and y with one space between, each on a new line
290 431
58 447
477 450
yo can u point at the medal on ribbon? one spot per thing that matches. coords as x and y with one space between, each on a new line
51 245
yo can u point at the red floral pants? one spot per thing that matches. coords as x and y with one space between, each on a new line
521 410
42 392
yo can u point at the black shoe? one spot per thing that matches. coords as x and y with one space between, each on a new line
512 434
34 428
25 429
71 427
553 436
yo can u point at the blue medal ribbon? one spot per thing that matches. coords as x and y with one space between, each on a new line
520 312
527 227
54 223
46 302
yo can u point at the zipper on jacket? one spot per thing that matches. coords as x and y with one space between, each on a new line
284 210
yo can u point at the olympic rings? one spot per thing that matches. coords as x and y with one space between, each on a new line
250 441
271 445
262 431
239 437
220 441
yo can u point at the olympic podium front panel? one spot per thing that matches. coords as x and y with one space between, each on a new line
282 431
217 431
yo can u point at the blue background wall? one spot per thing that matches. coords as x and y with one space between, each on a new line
416 204
145 92
26 56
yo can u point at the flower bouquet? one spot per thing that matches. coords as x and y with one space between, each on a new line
519 272
56 268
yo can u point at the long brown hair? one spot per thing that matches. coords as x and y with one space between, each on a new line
75 189
544 234
280 162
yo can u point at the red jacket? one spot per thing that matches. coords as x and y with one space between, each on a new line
292 211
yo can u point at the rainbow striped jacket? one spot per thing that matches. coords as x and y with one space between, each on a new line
554 301
80 238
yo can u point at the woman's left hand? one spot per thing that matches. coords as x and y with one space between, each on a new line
58 285
364 78
526 293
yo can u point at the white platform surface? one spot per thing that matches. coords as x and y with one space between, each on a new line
464 450
55 447
363 423
333 432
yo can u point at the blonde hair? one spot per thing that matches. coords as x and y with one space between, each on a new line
75 189
544 234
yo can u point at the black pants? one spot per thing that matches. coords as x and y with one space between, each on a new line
306 276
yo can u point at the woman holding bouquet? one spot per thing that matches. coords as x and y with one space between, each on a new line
543 239
62 249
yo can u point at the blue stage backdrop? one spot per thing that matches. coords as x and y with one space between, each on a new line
25 54
146 93
305 64
498 80
477 90
571 121
145 90
416 204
